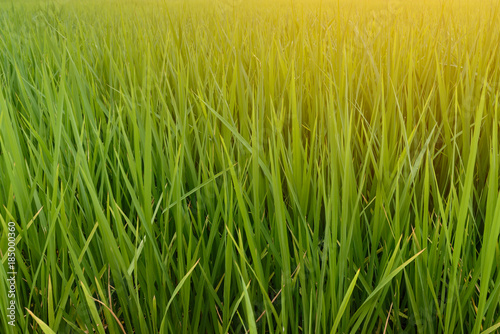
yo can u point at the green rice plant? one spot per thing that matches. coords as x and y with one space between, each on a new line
250 167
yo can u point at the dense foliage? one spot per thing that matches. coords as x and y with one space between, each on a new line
295 167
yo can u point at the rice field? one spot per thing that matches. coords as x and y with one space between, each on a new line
288 166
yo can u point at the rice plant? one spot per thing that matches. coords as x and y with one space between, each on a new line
287 166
